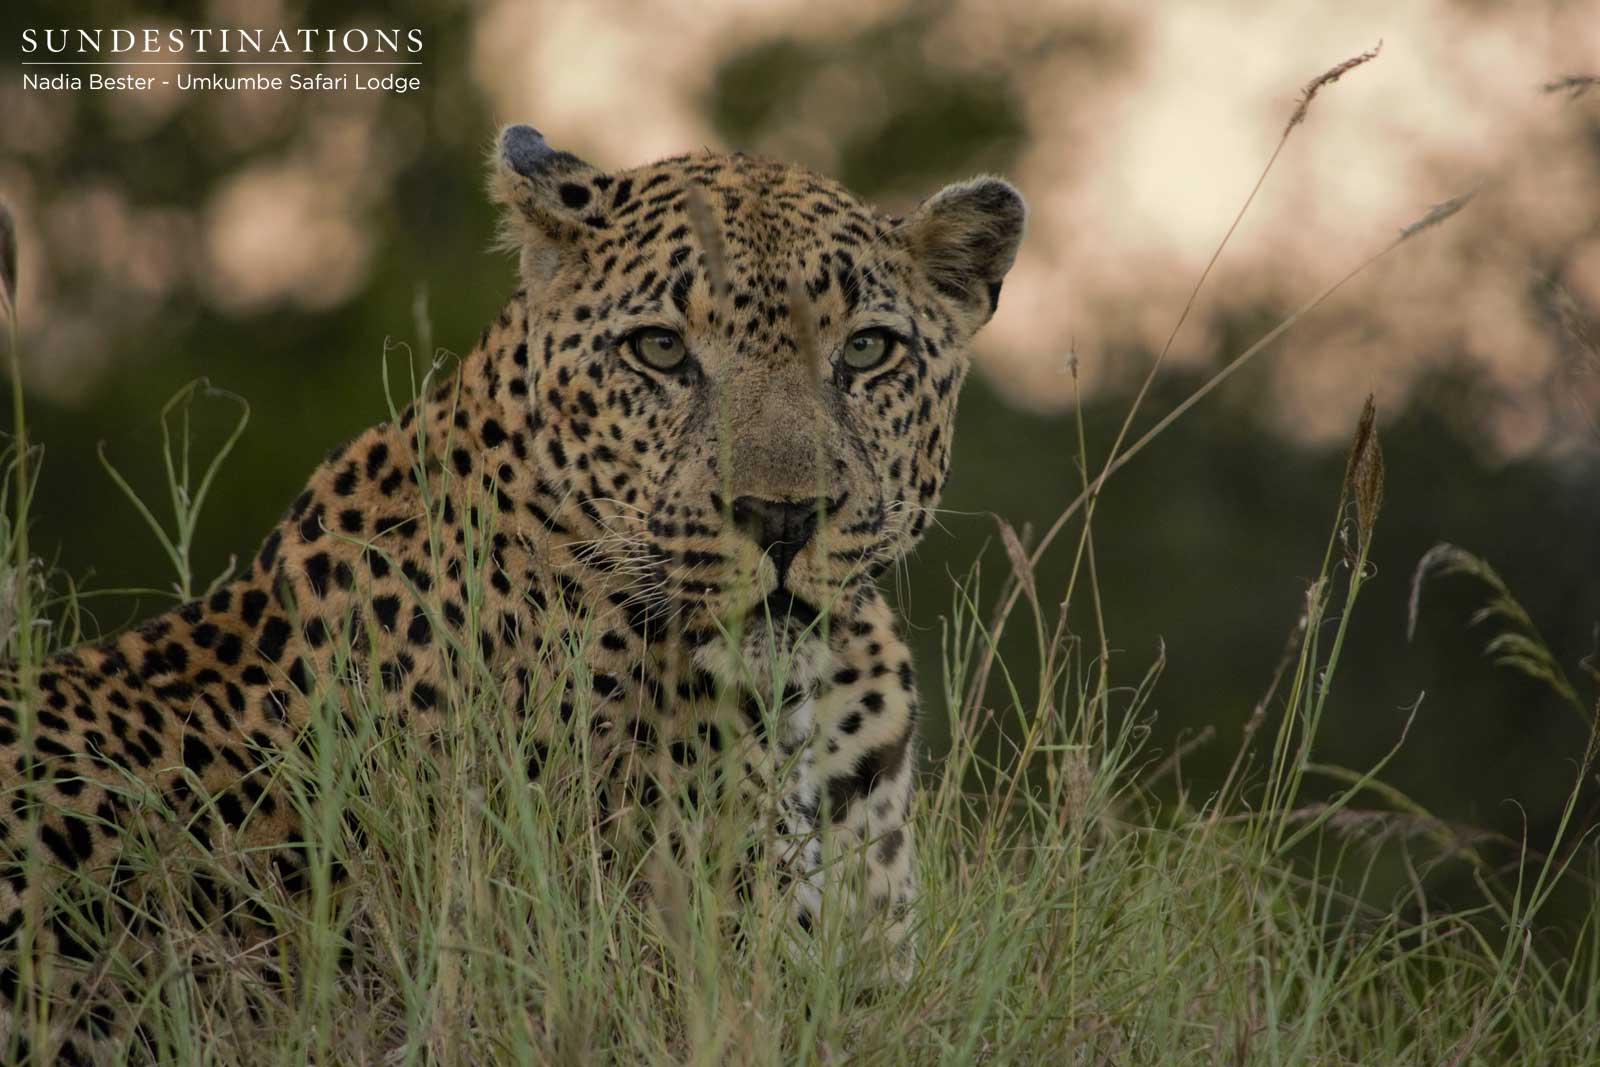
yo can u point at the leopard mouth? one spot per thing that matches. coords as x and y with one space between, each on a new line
785 610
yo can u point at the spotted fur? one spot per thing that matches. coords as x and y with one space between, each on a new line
576 489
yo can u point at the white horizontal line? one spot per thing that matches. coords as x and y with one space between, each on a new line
223 63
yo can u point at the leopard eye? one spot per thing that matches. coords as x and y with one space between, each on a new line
867 349
658 347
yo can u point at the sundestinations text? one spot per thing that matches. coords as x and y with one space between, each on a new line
222 41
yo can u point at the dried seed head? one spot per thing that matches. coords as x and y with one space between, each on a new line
1583 330
1363 473
1574 85
1019 561
1327 77
1436 214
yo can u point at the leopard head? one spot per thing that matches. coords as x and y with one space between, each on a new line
741 380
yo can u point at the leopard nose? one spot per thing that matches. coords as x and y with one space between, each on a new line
780 527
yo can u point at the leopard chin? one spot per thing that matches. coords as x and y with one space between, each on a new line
780 644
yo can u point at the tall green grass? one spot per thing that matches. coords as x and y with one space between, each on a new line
1065 916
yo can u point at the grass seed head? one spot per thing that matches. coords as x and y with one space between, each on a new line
1363 472
1328 77
1574 85
1437 214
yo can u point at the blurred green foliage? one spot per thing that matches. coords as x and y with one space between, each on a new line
942 122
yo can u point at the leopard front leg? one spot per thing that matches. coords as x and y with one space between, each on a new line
866 724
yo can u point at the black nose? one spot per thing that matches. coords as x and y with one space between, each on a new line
780 527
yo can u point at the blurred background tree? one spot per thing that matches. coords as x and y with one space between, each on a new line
274 242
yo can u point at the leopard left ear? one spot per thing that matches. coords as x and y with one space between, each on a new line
966 237
551 196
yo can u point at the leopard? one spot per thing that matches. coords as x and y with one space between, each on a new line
716 410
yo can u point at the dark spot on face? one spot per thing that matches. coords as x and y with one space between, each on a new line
197 755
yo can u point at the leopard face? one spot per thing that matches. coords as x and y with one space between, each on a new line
742 378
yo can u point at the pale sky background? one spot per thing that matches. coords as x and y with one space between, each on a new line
1133 172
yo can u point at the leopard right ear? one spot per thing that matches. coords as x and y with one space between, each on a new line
550 197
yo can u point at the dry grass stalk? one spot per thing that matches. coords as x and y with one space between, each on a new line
710 240
1118 457
1519 644
804 318
23 558
1328 77
8 260
1585 333
1578 325
1574 85
1019 561
1258 714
